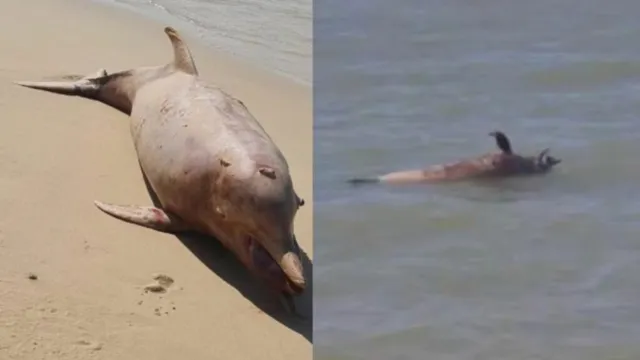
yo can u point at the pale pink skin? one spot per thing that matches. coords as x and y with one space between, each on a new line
493 165
210 163
185 163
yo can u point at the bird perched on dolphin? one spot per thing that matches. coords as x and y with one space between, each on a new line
504 163
210 163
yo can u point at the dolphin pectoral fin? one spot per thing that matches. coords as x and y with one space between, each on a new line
147 216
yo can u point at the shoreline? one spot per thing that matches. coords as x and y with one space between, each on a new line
196 41
191 30
58 154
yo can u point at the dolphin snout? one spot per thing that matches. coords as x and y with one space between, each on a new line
292 267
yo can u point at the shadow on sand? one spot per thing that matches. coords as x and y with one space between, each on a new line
224 264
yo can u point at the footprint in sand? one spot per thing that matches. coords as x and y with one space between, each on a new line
161 285
91 345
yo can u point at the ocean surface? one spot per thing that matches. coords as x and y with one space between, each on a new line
538 268
275 35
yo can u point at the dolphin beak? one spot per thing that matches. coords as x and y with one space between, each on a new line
277 262
292 268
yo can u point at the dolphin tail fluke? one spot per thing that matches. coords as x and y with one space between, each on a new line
361 181
58 87
72 85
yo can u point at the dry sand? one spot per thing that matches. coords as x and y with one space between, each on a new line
58 154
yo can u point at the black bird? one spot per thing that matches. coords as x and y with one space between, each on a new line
502 141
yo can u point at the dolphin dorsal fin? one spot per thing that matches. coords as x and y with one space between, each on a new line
182 59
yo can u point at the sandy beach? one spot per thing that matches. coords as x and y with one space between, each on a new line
58 154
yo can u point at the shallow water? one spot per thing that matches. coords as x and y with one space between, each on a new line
272 34
539 268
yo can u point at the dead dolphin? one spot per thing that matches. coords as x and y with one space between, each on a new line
211 164
502 164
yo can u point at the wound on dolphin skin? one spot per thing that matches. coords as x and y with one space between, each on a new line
268 172
224 163
220 212
159 216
